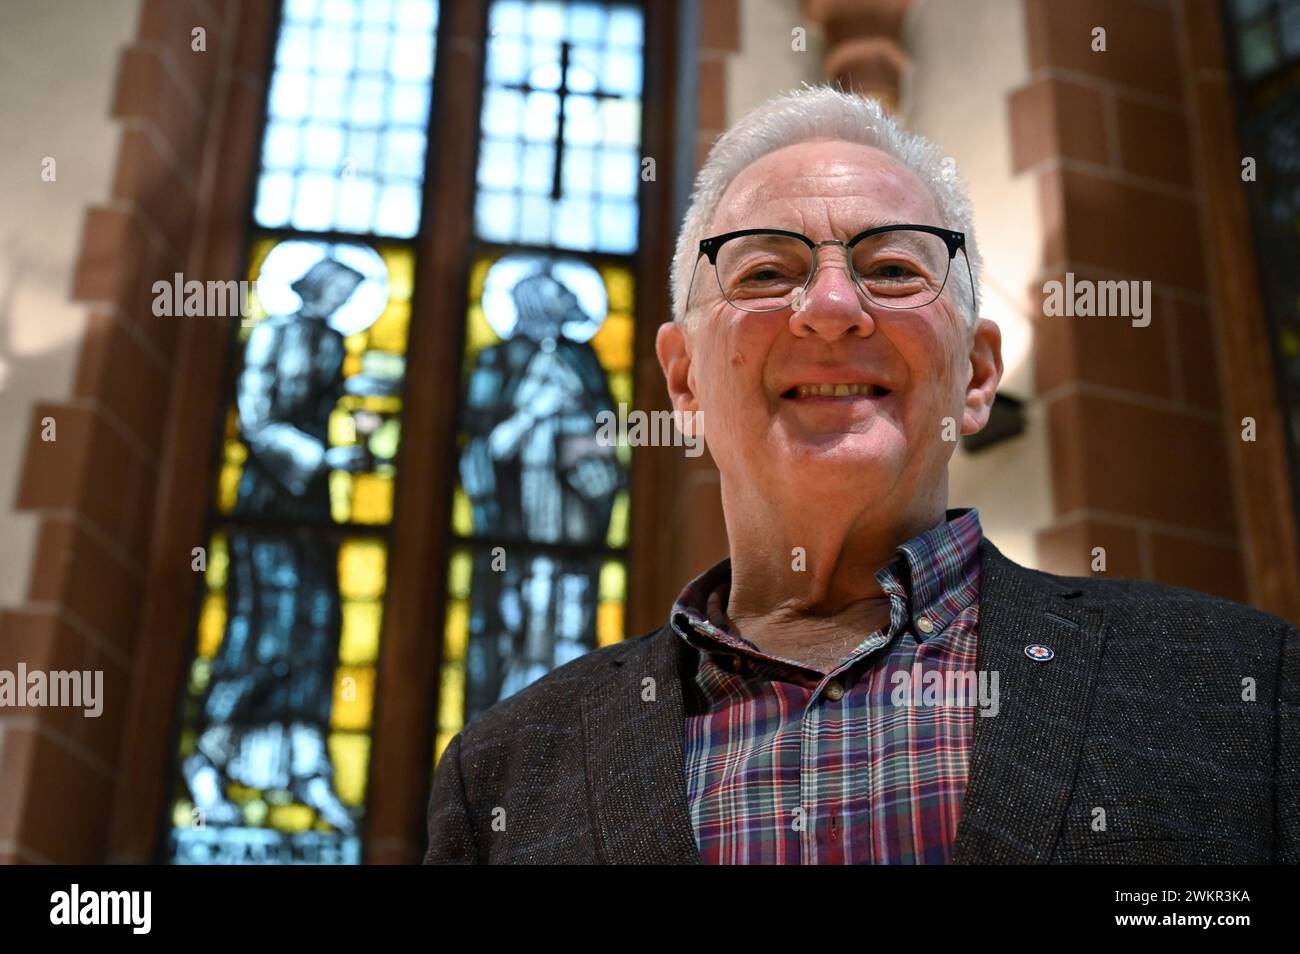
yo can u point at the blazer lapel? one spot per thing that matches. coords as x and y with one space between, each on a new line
1024 759
634 728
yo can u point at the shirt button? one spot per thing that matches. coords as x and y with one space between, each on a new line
924 625
834 691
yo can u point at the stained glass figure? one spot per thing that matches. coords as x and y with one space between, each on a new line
535 473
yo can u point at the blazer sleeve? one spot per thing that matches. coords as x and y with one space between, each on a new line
451 834
1286 770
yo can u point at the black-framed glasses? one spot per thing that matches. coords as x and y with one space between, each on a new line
896 266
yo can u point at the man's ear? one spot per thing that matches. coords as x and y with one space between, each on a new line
675 358
985 374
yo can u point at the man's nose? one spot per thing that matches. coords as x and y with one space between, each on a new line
833 305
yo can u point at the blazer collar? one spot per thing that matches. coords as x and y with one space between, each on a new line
1022 762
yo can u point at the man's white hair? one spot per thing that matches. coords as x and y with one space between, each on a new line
824 113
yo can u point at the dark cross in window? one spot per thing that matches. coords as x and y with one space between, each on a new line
563 92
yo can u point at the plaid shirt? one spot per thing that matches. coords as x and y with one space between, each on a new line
785 764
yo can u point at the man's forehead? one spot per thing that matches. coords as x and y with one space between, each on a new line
854 186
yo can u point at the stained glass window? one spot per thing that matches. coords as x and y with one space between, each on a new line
538 571
273 756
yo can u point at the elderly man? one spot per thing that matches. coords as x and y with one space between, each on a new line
799 703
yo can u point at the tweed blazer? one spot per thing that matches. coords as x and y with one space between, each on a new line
1165 729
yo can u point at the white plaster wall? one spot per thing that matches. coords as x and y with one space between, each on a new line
58 63
967 57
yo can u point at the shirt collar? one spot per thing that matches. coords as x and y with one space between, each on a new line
934 575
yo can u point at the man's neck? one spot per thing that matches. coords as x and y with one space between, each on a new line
806 589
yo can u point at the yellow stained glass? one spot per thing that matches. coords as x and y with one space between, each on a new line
187 742
350 753
355 344
228 486
609 623
620 387
343 428
390 331
478 277
384 441
462 517
623 453
292 818
200 672
255 812
351 365
478 334
613 581
183 813
212 623
380 404
372 498
232 423
359 642
617 535
618 282
457 639
460 573
613 342
218 562
354 696
401 272
362 568
341 496
451 698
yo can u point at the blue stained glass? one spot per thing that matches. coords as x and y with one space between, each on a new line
579 171
586 22
300 9
618 226
546 21
348 69
409 104
506 61
618 173
334 51
363 147
372 50
541 116
314 202
494 216
339 12
506 18
377 11
411 57
581 121
289 92
356 204
502 110
398 213
624 27
274 195
329 93
583 65
538 168
295 47
415 15
498 164
322 146
403 155
280 146
573 223
534 220
622 73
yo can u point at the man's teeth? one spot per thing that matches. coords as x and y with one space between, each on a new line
837 390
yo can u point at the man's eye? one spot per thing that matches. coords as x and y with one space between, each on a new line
892 270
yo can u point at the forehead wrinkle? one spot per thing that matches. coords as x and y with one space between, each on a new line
747 201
